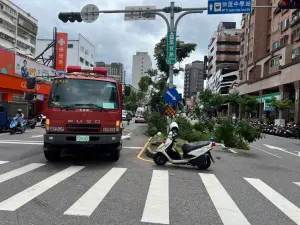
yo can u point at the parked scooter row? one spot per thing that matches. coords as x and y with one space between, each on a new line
289 131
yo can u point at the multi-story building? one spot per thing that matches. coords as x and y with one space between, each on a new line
18 29
141 62
115 70
193 79
81 52
223 57
270 58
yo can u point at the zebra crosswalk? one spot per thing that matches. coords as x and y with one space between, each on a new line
156 207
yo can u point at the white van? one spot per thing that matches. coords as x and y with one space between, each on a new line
139 115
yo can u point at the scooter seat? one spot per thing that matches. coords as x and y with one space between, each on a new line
186 148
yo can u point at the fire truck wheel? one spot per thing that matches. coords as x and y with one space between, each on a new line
51 154
115 155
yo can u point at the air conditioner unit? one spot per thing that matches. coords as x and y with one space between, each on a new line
295 18
280 62
293 56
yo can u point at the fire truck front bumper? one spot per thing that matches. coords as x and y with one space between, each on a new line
82 139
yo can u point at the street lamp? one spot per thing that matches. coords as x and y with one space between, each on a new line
90 13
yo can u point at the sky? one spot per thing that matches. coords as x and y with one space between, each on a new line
117 40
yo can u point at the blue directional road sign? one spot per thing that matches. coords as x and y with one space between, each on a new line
229 6
171 96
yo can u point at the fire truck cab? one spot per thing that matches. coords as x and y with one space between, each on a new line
84 110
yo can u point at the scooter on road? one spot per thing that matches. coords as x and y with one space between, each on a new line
15 126
196 154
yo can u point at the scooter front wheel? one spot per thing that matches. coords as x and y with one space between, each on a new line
160 159
12 131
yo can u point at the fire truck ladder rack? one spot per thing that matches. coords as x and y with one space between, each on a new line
52 58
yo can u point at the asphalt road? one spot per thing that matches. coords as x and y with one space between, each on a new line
255 187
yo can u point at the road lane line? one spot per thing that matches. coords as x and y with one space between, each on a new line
226 207
297 183
21 143
157 204
87 204
3 162
288 208
19 171
36 136
20 199
280 149
266 152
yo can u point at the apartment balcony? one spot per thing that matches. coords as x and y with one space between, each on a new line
229 48
224 57
233 38
295 19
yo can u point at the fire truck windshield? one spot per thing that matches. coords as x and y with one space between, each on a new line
80 93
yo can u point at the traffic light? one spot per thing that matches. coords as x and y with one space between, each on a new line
289 4
70 16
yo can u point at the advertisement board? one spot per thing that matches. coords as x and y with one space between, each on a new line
61 51
27 68
7 62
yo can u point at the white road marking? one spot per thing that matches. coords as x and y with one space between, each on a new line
20 199
126 136
288 208
21 143
19 171
157 204
297 183
266 152
37 136
86 205
3 162
281 149
227 209
132 147
3 134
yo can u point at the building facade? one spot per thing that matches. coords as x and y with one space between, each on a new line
270 61
223 57
193 79
18 29
80 52
141 62
115 70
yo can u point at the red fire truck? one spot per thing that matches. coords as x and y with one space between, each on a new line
84 110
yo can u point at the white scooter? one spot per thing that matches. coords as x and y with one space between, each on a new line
196 154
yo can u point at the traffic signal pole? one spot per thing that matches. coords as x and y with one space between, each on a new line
172 25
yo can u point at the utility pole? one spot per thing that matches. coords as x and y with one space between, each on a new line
90 13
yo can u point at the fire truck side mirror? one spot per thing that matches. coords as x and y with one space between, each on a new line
31 82
127 90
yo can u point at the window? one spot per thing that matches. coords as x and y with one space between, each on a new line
86 52
276 45
70 46
82 48
1 108
81 60
275 61
87 63
66 92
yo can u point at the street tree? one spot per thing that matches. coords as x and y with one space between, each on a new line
183 51
249 103
280 105
234 99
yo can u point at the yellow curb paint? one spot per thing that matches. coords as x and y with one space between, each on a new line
142 151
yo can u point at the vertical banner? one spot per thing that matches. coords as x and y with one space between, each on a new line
61 51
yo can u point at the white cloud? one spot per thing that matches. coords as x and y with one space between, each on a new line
117 40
